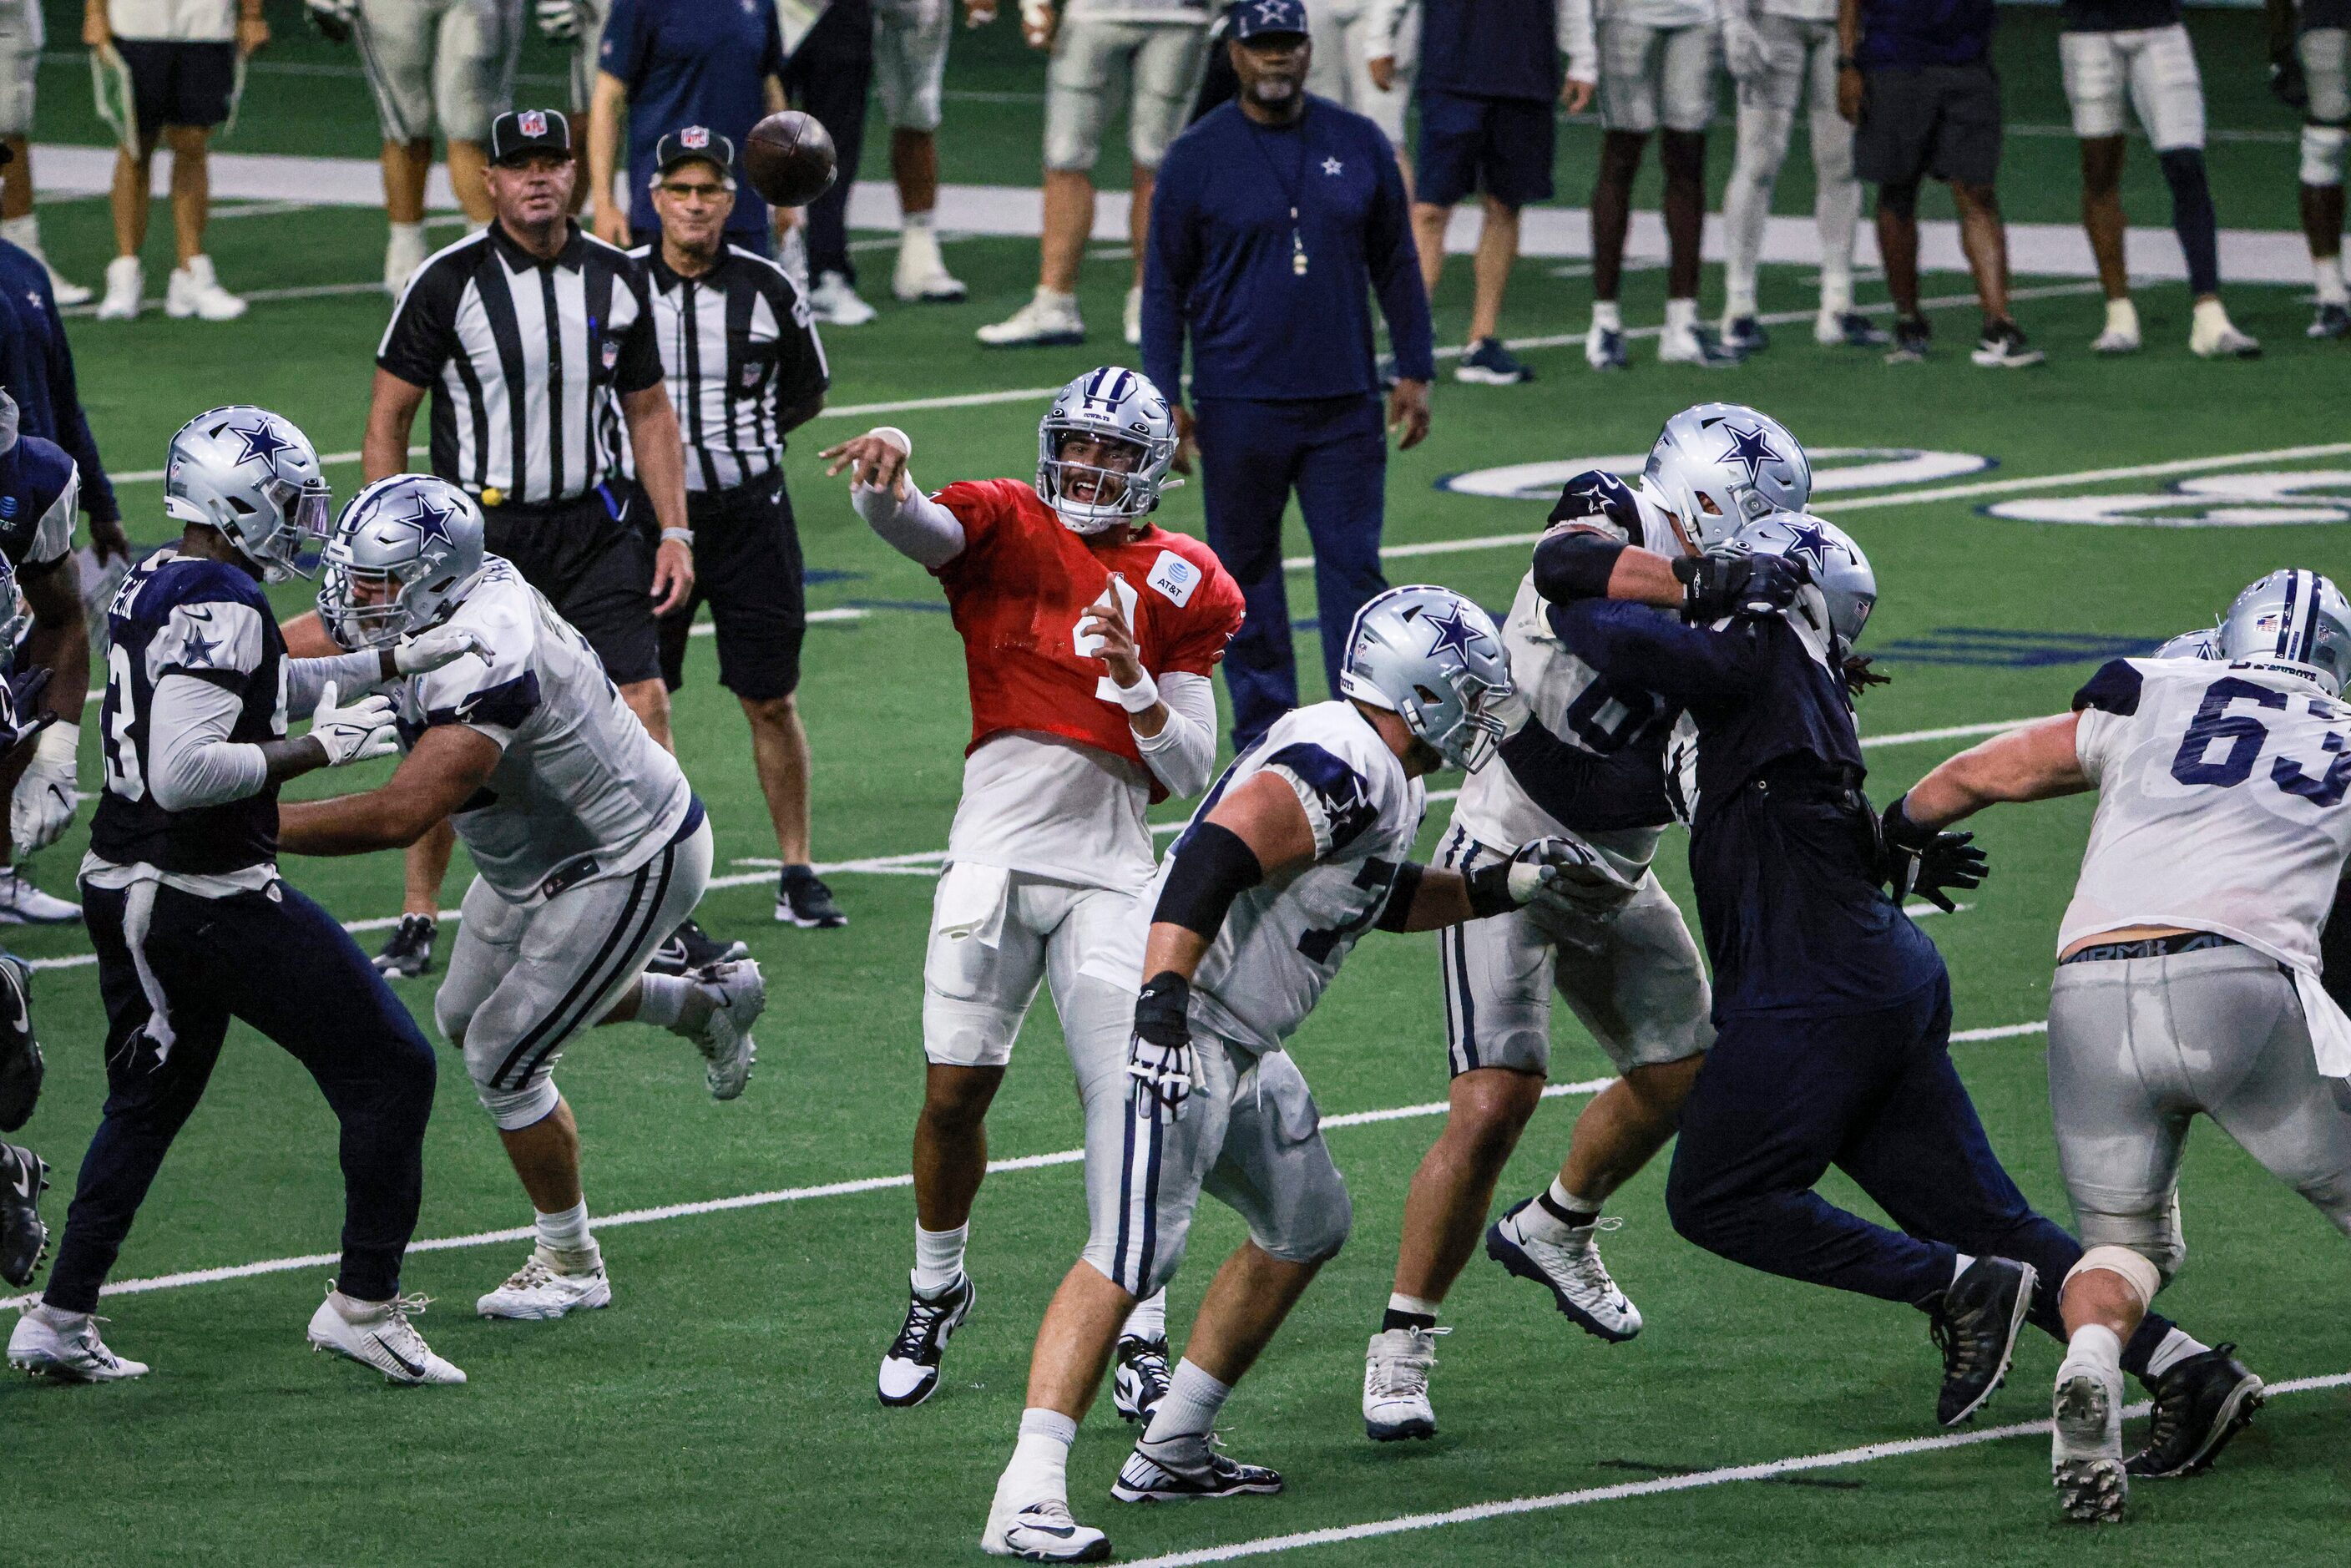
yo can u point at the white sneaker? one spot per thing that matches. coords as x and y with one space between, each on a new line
922 272
403 253
194 291
22 903
2215 336
1395 1385
125 281
1042 1533
1048 321
834 301
379 1334
1694 345
2085 1450
2115 340
1571 1269
737 994
1131 319
540 1293
66 1346
67 293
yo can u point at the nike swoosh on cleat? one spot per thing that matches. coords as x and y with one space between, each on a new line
413 1368
1062 1531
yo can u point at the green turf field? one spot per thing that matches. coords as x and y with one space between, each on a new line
722 1410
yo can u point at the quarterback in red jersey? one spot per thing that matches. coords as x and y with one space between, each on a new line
1089 639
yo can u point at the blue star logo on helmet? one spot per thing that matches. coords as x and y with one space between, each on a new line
261 443
1453 631
1751 449
428 519
1812 546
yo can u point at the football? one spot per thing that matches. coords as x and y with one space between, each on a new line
789 159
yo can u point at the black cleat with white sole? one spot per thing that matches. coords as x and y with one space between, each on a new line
21 1067
1188 1470
409 953
2199 1404
1140 1377
803 900
910 1371
1976 1325
690 947
23 1240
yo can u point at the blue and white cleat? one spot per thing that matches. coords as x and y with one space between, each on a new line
1572 1270
1043 1532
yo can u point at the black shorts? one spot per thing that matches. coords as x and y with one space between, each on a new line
1918 120
1500 147
595 563
746 567
175 82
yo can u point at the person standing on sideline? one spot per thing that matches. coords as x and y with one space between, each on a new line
744 369
1276 217
831 75
2310 69
1490 72
182 56
21 35
1348 36
910 67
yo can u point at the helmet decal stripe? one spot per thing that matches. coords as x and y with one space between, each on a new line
2308 640
2285 617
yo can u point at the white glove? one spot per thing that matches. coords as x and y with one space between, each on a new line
43 806
431 649
353 734
558 18
1166 1074
1563 877
1742 50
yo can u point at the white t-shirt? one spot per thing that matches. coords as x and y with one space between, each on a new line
180 21
1055 808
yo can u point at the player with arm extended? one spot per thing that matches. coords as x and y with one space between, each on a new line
1832 1008
2188 969
1090 636
192 924
589 848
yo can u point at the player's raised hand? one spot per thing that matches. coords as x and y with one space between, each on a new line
876 460
1105 625
352 734
431 649
1161 1063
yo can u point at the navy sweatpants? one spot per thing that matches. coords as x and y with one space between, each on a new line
1333 452
1782 1099
280 963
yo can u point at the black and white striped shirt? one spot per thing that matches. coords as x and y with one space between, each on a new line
525 360
740 348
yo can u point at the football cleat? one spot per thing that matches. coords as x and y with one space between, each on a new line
1848 329
1045 322
804 901
1975 1325
22 903
21 1067
126 281
1745 334
833 299
410 952
1572 1270
2211 339
1395 1385
379 1334
1140 1377
2085 1450
1487 364
194 291
1043 1532
922 272
2199 1404
1694 345
1912 336
23 1240
1603 348
539 1292
2003 346
1187 1468
2329 321
737 994
910 1368
691 947
2114 340
66 1346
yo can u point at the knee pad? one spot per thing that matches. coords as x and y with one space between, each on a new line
513 1104
2322 154
2136 1270
515 1109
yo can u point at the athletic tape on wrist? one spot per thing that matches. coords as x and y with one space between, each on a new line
1140 697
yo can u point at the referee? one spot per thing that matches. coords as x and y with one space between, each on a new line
745 368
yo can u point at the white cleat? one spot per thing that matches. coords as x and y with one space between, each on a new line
66 1346
1131 317
22 903
1048 321
126 281
1042 1533
1572 1270
1695 345
834 300
194 291
2085 1451
922 272
737 994
379 1334
66 292
1395 1385
2115 340
2219 340
539 1292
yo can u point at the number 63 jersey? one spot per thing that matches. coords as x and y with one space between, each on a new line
2220 803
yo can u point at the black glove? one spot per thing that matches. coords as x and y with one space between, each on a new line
1160 1059
21 717
20 1053
1715 586
1925 861
2287 81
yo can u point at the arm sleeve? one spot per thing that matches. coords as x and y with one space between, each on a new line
1395 263
73 425
1635 646
917 527
1170 263
1382 20
1577 40
352 673
1184 752
1574 563
190 761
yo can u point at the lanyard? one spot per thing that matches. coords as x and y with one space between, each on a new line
1290 190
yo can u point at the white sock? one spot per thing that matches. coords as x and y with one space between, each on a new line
2328 273
2121 315
1606 317
60 1318
909 222
566 1233
1680 315
1418 1306
409 231
1055 297
1960 1265
1149 1319
2177 1347
1737 303
1040 1469
1540 1221
662 998
939 1257
1190 1408
1837 292
2096 1345
2210 316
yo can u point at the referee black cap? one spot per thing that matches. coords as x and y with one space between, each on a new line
695 145
521 132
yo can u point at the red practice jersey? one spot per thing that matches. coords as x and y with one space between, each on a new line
1024 582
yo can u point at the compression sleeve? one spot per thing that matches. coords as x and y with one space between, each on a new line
1212 867
352 673
1575 563
1395 913
1184 752
912 524
191 762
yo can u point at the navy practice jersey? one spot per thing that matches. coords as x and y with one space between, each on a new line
1782 851
39 491
177 615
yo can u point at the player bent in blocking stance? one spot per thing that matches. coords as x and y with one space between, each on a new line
1302 847
2188 969
1088 638
191 925
588 845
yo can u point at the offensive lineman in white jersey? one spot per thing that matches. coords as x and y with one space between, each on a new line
589 848
2187 976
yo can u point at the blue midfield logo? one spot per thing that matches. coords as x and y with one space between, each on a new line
1453 631
1751 449
261 443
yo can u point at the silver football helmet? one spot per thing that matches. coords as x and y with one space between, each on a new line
253 476
1109 405
1433 658
1843 590
405 554
2203 644
1720 465
2292 617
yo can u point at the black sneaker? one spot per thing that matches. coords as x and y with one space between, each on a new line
2003 346
23 1240
2331 321
2199 1404
1746 334
1976 1325
1912 335
1187 1469
691 947
20 1053
1140 1380
803 900
910 1369
1490 365
410 952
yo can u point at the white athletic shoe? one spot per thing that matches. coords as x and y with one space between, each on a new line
2215 336
1572 1270
403 253
2085 1450
2115 340
1048 321
66 1346
836 302
1695 345
22 903
194 291
737 994
125 281
1042 1531
379 1334
922 272
65 292
1395 1385
540 1293
1131 317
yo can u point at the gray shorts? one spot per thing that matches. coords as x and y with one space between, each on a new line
910 60
2324 54
1161 63
21 36
995 934
1656 75
2137 1047
2153 67
450 62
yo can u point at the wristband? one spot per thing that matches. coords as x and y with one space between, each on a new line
1140 697
59 743
683 536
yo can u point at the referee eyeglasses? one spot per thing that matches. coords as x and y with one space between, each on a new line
690 190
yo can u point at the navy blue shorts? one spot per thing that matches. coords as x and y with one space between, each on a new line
178 82
1500 147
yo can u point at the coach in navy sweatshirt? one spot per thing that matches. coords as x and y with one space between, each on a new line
1276 217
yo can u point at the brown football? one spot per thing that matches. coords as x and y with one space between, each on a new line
789 159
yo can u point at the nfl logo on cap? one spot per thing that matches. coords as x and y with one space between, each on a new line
696 137
534 123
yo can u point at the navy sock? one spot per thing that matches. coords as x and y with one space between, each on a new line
2193 219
